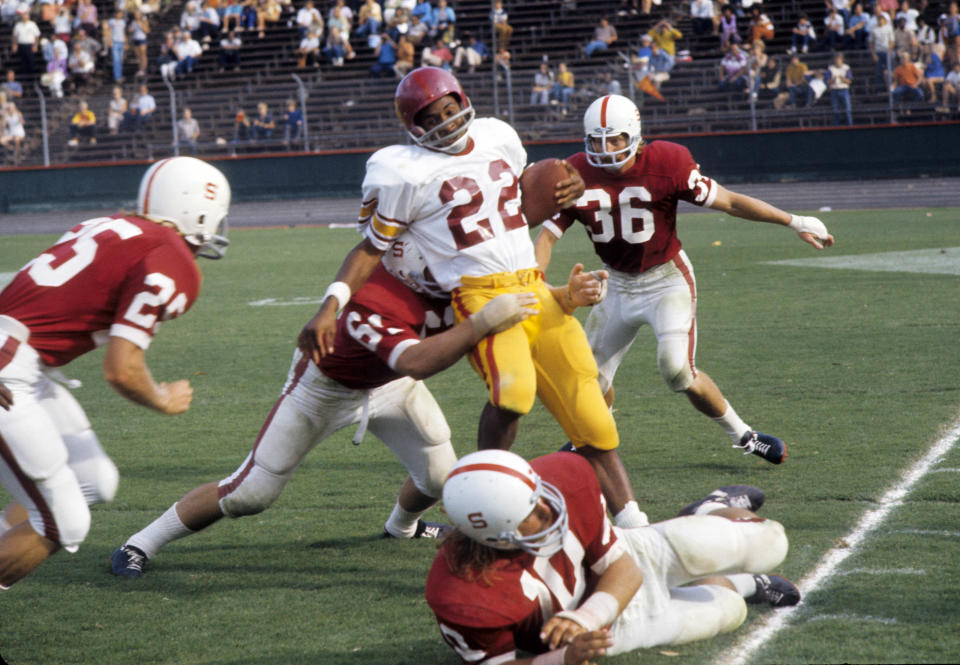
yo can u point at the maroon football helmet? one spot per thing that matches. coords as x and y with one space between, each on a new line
420 88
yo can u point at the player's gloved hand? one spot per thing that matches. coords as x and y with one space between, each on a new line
504 311
6 398
586 288
811 230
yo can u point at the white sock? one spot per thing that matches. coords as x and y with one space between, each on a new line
631 517
746 585
402 523
732 424
166 528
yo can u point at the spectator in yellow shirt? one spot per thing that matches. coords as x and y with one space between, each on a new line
83 124
665 36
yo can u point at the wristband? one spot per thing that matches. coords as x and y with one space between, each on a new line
597 611
340 291
554 657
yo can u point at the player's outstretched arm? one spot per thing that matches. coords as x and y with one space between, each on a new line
316 338
125 368
810 229
6 397
439 352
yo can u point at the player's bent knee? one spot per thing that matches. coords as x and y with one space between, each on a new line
254 494
440 459
65 518
767 546
708 611
673 363
426 416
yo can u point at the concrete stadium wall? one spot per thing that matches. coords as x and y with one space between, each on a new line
769 156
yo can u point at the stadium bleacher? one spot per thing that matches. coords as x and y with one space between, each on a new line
348 109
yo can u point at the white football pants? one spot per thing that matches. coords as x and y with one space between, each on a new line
664 297
403 414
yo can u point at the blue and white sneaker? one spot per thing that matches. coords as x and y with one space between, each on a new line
775 590
128 561
763 445
734 496
424 530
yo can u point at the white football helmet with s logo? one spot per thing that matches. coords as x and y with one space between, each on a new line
193 196
405 262
606 117
488 494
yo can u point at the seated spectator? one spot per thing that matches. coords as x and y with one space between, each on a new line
933 72
57 70
90 45
761 27
341 18
904 39
250 17
609 85
660 65
190 17
308 53
116 110
950 24
309 20
139 111
436 56
703 18
63 24
734 68
839 78
83 125
504 31
542 86
270 13
771 83
474 53
167 60
563 88
229 55
644 51
405 57
422 8
909 14
665 36
386 55
926 35
729 32
858 29
369 20
12 86
188 131
263 124
798 86
803 35
208 23
833 31
242 129
951 88
232 13
188 52
603 36
444 20
503 58
292 123
907 80
87 18
80 65
417 31
13 132
338 47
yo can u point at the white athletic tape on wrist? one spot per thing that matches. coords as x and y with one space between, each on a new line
554 657
340 291
597 611
808 225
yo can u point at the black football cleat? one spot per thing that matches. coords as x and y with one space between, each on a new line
424 530
763 445
775 590
127 561
735 496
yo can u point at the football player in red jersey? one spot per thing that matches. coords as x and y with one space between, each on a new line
534 565
393 332
629 209
455 189
108 281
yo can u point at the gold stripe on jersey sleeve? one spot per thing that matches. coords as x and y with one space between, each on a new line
387 230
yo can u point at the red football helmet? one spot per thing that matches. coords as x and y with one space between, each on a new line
420 88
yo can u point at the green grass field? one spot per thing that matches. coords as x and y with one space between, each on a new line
857 369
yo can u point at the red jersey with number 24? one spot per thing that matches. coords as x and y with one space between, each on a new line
481 621
108 276
631 217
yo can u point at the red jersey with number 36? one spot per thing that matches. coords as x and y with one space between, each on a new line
631 217
381 321
481 621
109 276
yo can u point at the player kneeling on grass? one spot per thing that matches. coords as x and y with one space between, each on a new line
530 538
110 280
371 378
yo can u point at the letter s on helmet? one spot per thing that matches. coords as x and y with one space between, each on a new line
606 117
420 88
193 196
488 494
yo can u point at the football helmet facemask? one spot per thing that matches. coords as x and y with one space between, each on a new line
405 262
420 88
607 117
487 494
193 196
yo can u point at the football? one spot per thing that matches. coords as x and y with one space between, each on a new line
536 189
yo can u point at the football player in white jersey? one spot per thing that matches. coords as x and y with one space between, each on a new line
108 281
629 209
456 190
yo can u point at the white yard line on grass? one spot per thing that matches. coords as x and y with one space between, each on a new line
743 650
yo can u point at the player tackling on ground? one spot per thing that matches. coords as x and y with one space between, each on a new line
108 281
534 565
456 191
629 209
